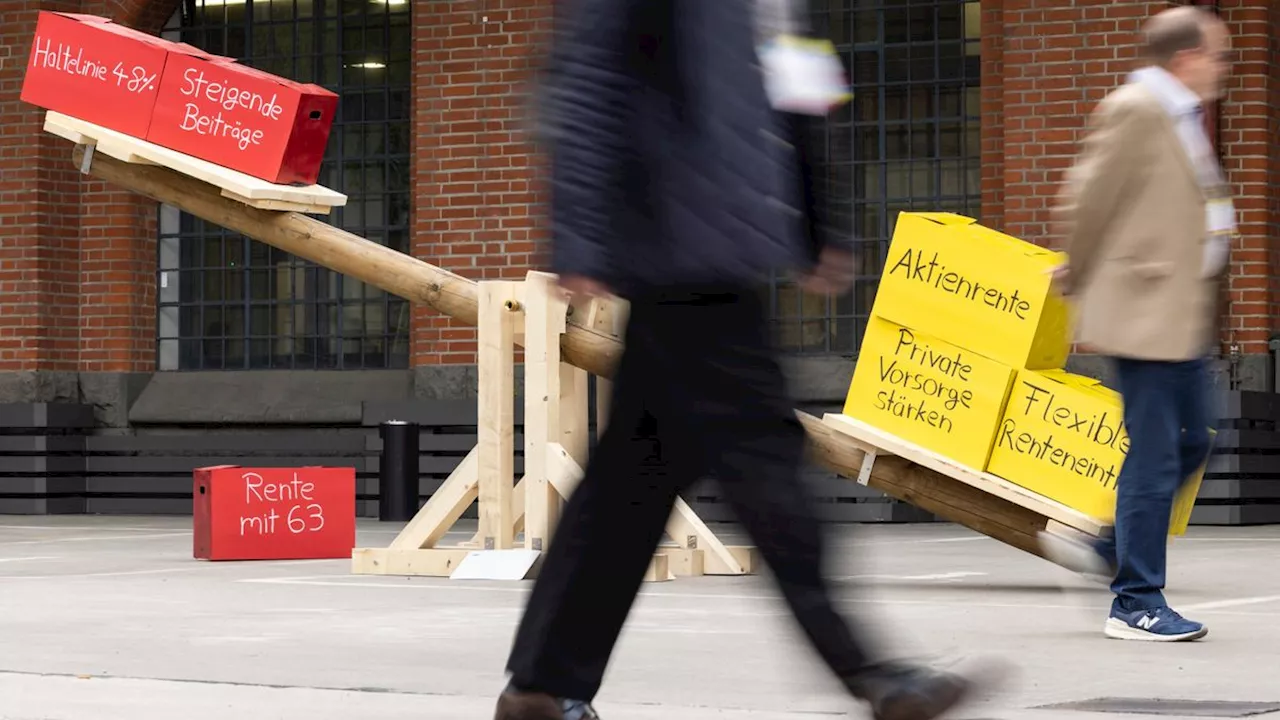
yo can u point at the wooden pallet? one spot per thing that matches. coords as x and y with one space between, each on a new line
252 191
908 472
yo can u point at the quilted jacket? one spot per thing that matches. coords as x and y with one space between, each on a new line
668 164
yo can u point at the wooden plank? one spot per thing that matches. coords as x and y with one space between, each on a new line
929 490
1237 488
433 464
315 443
131 149
42 464
433 443
1245 514
435 518
281 205
542 406
430 414
137 505
689 531
42 505
63 416
866 435
1244 464
1229 440
1251 405
499 310
31 444
174 464
41 485
422 562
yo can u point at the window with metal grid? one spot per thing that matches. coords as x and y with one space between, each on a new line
909 140
227 302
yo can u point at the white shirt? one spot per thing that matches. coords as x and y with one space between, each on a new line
1187 112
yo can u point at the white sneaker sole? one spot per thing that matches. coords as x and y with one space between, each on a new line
1119 630
1075 556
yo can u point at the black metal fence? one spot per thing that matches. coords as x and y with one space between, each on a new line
53 460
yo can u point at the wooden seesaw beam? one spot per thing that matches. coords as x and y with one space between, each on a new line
583 347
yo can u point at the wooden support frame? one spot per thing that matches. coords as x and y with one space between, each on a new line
555 452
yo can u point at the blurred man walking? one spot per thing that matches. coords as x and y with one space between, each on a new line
1148 220
677 186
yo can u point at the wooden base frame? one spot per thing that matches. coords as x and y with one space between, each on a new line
555 452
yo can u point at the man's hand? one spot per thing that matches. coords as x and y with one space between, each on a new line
833 275
573 285
1060 279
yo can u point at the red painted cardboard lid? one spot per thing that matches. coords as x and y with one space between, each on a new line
109 25
308 88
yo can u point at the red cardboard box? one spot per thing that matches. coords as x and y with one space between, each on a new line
93 69
244 119
299 513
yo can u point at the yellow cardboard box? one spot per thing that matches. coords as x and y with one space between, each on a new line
929 392
1062 436
949 277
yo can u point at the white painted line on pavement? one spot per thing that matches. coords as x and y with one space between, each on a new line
1238 602
96 538
910 578
112 528
29 559
80 576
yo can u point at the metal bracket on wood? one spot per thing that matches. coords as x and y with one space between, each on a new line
86 161
868 462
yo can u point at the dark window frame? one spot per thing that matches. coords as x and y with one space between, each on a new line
909 140
230 303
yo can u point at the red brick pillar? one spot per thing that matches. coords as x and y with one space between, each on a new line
77 283
1248 128
477 207
39 210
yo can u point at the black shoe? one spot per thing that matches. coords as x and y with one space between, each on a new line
516 705
903 692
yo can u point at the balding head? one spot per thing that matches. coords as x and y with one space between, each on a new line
1173 31
1192 44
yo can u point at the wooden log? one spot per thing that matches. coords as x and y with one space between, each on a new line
332 247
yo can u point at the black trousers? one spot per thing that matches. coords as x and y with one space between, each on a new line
698 392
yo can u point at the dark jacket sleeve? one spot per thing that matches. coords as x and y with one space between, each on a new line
587 100
820 230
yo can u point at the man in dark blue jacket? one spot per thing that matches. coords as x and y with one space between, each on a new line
677 186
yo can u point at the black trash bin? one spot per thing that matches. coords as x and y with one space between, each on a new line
398 471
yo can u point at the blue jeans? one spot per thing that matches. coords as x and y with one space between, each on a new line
1166 413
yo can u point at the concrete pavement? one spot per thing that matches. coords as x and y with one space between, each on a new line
107 618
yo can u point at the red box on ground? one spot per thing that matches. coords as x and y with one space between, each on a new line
244 119
302 513
90 68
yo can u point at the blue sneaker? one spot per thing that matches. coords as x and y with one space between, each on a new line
1156 625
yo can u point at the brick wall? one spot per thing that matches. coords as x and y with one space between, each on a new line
77 259
1045 67
475 169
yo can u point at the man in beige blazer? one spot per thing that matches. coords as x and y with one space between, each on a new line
1147 218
